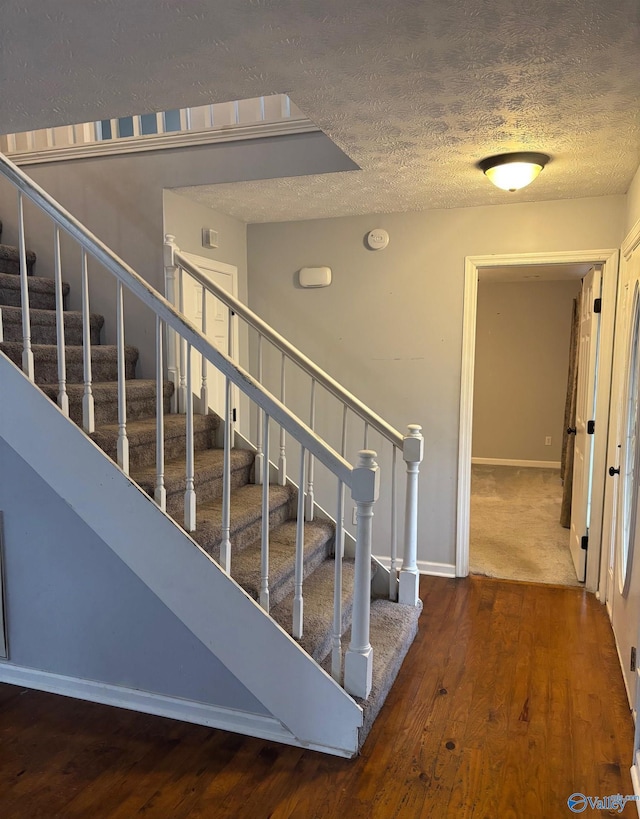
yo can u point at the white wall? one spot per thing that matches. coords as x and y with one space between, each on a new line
522 361
74 608
633 202
120 199
390 326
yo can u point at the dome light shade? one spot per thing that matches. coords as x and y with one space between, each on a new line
513 171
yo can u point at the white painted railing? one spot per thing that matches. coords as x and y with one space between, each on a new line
409 445
362 479
260 116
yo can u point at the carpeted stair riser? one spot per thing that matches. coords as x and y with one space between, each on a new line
246 517
318 608
142 438
208 478
10 260
141 400
393 628
42 292
104 362
43 326
319 538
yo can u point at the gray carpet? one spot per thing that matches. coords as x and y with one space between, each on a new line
515 529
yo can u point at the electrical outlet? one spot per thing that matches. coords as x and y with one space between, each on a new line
547 441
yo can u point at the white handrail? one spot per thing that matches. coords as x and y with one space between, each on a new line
292 352
177 322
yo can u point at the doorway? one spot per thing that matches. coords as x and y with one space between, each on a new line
524 327
608 259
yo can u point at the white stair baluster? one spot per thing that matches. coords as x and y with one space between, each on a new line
298 601
27 352
358 665
259 422
190 492
336 638
232 355
412 453
204 390
160 493
309 500
182 388
366 435
282 460
88 408
123 441
393 571
264 567
172 339
63 398
1 329
225 544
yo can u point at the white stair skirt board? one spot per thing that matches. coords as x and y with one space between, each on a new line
424 567
513 462
269 663
213 716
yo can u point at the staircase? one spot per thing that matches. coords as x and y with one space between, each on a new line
392 626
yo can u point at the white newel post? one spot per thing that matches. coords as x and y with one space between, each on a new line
358 664
412 453
170 294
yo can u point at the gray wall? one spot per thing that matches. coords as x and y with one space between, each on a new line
74 608
120 198
522 361
390 326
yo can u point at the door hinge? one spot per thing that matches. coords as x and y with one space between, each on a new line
234 417
584 542
632 664
591 427
597 306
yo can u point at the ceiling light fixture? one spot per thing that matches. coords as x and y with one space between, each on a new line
513 171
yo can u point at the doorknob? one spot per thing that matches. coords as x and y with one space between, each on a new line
613 471
571 430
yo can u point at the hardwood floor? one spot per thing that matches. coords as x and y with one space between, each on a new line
510 700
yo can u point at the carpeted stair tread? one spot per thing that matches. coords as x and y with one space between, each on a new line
141 399
142 438
42 292
318 608
208 467
318 543
10 260
104 361
393 628
43 326
246 516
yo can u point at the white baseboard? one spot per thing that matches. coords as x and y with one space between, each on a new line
146 702
513 462
424 567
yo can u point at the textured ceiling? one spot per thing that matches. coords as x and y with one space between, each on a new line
534 272
414 91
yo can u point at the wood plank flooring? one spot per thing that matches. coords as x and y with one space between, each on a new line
510 700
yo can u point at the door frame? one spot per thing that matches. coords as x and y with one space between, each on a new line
608 258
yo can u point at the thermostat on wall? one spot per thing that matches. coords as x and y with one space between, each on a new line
315 276
377 239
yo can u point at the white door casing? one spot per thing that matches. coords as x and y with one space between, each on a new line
608 258
585 412
226 277
624 578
